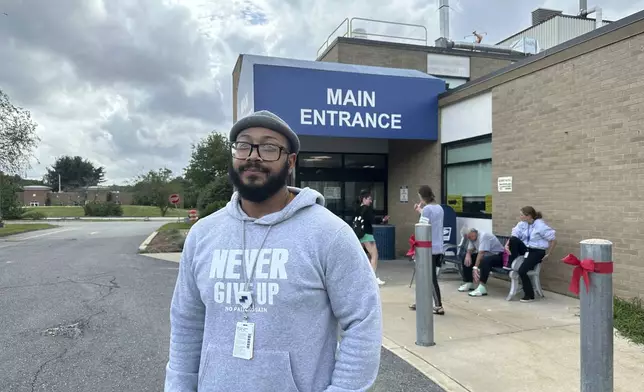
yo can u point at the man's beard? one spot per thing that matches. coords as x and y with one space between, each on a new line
260 192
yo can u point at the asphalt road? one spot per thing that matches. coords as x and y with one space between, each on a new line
81 311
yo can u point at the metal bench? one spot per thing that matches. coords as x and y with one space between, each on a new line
457 257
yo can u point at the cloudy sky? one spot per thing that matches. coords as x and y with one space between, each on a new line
130 84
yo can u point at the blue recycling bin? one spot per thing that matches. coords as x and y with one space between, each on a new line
385 236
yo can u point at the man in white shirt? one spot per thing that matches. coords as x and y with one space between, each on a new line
484 252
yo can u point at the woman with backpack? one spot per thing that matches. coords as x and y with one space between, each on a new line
363 222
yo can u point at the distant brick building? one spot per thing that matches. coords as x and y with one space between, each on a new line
41 195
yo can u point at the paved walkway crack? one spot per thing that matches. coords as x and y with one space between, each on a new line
34 380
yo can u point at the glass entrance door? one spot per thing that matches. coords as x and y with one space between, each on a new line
332 192
341 177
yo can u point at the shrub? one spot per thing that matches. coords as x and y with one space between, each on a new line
103 209
212 207
34 215
219 189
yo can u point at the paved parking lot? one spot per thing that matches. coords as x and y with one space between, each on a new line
83 312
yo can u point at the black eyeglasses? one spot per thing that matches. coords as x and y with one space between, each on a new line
267 152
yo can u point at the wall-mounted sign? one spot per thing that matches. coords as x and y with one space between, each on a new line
447 65
456 202
488 204
349 103
404 194
504 184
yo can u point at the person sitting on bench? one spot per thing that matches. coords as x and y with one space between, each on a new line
533 239
484 252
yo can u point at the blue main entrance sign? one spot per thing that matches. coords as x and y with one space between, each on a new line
354 102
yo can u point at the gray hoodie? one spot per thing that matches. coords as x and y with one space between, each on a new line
311 274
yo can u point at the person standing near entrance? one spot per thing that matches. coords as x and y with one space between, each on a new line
265 283
365 218
431 212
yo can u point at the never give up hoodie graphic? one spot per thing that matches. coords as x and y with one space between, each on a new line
311 273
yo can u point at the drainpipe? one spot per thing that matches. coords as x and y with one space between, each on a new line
445 43
599 21
598 18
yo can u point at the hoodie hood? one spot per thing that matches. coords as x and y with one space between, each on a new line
304 198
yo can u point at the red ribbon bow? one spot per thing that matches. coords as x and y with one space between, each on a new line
582 268
416 244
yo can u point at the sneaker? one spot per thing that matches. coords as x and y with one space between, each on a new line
507 267
466 287
525 300
479 292
380 282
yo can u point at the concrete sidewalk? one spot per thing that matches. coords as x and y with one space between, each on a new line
488 344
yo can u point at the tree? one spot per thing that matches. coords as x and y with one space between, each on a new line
210 159
75 172
18 138
10 206
155 187
220 190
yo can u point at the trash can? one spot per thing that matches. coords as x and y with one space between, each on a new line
385 236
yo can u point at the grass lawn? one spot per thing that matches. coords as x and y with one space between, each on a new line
128 211
11 229
175 226
629 319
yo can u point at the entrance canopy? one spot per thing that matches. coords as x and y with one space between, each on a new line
341 100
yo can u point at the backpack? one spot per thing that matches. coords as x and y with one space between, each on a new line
358 226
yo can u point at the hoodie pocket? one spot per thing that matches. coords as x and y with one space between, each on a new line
268 371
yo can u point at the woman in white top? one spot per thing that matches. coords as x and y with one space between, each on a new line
431 212
533 239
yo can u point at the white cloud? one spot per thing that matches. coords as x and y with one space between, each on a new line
130 84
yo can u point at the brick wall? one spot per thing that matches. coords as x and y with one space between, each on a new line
380 56
412 163
481 66
572 138
402 56
37 195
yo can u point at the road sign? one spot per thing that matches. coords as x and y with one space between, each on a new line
192 214
174 198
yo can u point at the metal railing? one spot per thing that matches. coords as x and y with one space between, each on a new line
349 31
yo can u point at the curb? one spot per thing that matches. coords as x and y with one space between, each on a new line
144 244
430 371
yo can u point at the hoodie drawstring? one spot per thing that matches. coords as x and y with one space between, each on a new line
249 276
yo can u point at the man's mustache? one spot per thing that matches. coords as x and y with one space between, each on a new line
255 167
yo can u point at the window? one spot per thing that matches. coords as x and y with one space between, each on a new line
341 177
320 160
468 177
364 161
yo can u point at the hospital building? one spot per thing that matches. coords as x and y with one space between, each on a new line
552 116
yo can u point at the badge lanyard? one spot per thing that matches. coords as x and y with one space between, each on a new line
528 235
245 297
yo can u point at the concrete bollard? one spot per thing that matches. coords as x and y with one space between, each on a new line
594 274
424 286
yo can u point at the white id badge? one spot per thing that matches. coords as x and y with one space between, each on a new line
525 256
244 340
245 299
